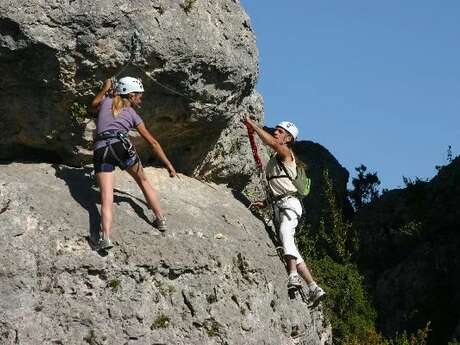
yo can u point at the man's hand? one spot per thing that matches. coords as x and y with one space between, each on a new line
248 122
249 119
259 204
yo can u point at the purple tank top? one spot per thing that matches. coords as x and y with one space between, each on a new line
123 122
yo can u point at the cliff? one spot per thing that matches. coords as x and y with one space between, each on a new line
213 278
197 59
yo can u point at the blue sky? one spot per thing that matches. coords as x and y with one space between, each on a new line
375 82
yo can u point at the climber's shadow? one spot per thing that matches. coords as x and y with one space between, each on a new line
83 188
260 214
130 200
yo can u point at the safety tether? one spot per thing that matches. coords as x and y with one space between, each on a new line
136 50
254 146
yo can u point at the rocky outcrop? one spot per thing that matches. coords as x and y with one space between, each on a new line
231 160
409 242
198 61
213 278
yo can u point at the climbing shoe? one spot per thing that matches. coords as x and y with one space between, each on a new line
294 282
105 243
316 295
160 224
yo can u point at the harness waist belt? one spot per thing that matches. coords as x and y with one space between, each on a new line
109 134
279 197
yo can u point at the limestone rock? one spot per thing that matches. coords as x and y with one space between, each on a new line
213 278
197 59
231 160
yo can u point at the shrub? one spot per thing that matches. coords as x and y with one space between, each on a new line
162 321
334 237
347 304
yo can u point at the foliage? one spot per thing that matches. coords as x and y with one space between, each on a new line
404 226
114 284
372 337
331 248
91 338
187 5
365 187
416 197
166 289
419 338
449 158
413 183
334 237
78 113
347 305
212 328
162 321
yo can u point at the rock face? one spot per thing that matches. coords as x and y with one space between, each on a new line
213 278
231 160
197 59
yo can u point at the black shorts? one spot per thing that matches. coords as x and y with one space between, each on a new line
110 162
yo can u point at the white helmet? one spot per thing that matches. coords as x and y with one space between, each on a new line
290 128
129 84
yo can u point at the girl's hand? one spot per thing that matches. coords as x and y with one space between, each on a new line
172 171
105 89
107 86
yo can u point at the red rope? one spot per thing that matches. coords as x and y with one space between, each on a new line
253 146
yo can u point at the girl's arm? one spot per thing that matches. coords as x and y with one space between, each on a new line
156 147
106 87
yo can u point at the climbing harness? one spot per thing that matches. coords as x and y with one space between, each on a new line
107 136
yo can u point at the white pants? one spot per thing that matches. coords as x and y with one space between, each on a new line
287 213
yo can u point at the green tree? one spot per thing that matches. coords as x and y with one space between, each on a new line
334 235
365 187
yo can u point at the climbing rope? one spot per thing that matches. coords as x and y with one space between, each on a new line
253 146
258 162
136 49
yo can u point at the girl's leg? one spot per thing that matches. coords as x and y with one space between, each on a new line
105 181
137 172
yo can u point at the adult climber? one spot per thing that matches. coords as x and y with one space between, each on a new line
287 208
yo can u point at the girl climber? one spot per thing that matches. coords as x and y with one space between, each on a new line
116 117
287 208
